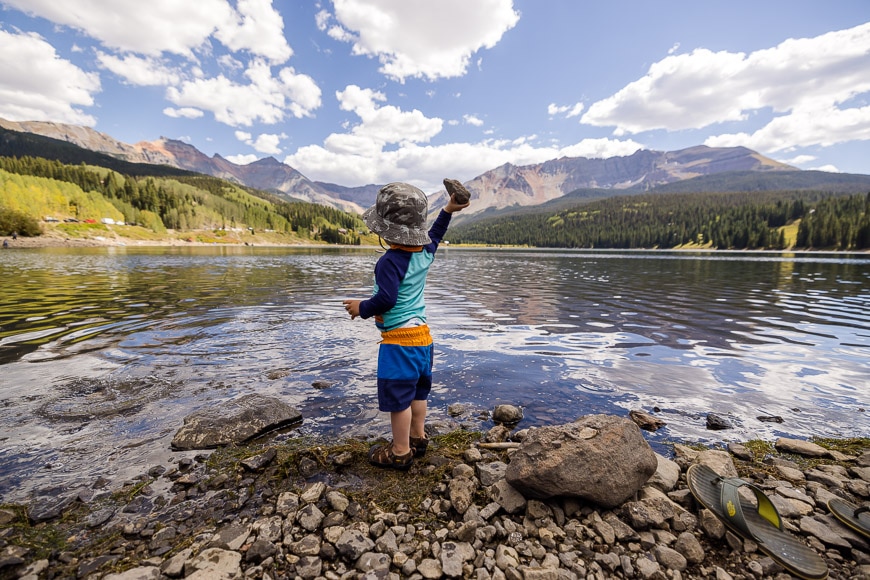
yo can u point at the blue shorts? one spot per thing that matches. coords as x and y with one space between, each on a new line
404 367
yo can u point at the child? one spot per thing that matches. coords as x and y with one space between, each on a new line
406 351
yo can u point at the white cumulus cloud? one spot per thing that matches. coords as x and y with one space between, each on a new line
242 159
38 85
267 143
168 26
386 124
183 112
807 83
567 110
137 70
418 38
265 98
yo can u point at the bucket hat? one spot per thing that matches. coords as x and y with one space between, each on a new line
399 215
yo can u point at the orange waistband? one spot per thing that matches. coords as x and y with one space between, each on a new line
413 336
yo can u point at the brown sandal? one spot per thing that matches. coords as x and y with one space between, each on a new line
382 455
419 445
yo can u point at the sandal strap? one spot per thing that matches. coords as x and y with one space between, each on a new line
733 510
384 454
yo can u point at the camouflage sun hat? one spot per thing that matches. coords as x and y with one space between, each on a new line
399 215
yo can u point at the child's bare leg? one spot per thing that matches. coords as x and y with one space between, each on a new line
418 418
400 422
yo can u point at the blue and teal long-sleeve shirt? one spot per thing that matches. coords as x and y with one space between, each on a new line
400 278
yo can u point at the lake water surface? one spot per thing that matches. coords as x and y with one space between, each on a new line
104 351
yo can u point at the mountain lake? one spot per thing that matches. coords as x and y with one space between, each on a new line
104 351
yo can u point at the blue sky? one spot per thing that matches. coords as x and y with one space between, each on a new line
370 91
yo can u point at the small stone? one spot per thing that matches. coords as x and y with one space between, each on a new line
429 568
259 550
472 455
646 421
490 473
770 419
718 423
337 501
740 451
507 414
308 567
258 462
689 546
313 492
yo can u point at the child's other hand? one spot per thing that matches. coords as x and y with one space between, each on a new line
352 307
452 206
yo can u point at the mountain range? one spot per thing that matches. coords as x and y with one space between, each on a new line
508 186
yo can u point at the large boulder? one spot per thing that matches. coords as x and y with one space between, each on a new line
600 458
233 422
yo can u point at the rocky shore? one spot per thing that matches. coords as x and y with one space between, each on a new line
485 505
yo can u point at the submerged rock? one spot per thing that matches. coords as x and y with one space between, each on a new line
507 414
717 422
234 422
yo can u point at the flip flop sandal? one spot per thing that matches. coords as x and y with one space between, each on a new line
856 517
381 455
759 522
419 444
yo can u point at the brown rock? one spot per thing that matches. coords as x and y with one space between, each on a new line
601 458
457 191
646 421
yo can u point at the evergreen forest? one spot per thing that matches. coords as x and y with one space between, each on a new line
819 220
44 178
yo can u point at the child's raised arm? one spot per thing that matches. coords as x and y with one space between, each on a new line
452 206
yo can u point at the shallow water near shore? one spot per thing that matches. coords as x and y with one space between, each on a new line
104 351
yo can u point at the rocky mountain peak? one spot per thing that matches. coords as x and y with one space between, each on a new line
504 186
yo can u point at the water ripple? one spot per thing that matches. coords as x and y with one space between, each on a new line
104 351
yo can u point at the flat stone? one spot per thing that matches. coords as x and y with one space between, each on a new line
791 474
234 422
800 447
214 563
820 530
231 537
507 497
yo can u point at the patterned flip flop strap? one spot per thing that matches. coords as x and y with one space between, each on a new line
730 499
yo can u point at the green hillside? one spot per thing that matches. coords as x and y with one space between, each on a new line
34 188
741 220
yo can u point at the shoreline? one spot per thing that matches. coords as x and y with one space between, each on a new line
54 239
301 508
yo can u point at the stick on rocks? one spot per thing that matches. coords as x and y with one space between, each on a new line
457 190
